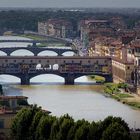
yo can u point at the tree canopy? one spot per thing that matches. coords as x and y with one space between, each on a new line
34 124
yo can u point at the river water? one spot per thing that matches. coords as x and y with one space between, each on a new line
82 100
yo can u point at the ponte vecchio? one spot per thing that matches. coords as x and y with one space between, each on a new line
69 67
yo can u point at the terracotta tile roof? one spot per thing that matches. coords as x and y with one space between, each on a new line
135 43
12 97
122 61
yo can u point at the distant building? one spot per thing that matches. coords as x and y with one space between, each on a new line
122 70
56 27
104 46
42 28
9 106
134 52
118 23
92 29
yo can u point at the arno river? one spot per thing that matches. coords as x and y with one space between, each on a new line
82 100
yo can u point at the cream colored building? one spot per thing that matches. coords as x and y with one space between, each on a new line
122 70
56 27
5 123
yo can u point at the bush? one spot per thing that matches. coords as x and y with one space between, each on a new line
123 85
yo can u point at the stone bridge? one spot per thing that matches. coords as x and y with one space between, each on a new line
69 68
37 50
34 42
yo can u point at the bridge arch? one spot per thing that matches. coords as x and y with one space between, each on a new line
2 53
49 78
91 78
70 78
19 52
9 78
47 53
68 53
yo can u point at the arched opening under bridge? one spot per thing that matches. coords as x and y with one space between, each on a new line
7 78
2 53
22 52
47 78
47 53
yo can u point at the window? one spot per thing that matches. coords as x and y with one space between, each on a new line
1 123
139 62
128 67
97 62
13 104
105 61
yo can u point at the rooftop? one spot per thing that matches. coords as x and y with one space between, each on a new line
135 43
13 97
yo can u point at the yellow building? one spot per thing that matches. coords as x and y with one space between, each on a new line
6 118
122 70
9 106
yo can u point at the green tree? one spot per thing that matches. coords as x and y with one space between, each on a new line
54 130
35 123
93 131
72 131
15 124
110 119
21 124
44 128
82 132
115 131
64 128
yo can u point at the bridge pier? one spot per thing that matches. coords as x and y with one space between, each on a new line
34 44
69 79
8 53
108 78
35 54
25 80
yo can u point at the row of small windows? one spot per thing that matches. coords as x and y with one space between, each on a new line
105 61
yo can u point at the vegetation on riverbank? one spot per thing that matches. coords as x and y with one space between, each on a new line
120 93
38 37
35 124
34 37
98 79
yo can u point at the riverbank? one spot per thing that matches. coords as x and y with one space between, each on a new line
38 37
122 96
98 79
